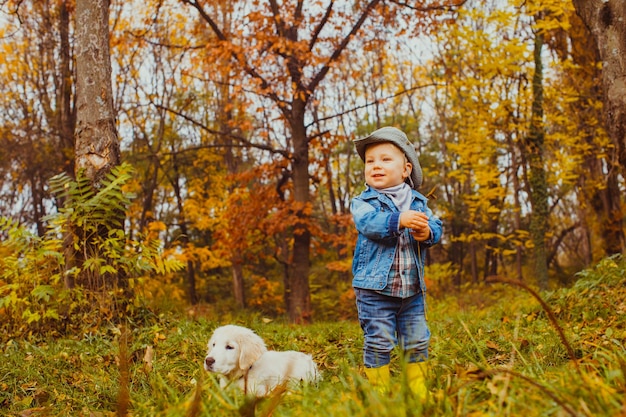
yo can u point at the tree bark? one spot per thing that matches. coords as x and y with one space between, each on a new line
299 295
238 282
537 174
517 188
606 20
190 273
66 121
67 116
97 146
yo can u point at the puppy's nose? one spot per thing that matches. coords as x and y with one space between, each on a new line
208 362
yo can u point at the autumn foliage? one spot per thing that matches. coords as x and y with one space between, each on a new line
237 118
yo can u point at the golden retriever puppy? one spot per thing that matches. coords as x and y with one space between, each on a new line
240 357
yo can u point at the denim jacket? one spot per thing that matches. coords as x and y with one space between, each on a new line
376 218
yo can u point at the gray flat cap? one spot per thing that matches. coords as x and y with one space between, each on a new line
398 138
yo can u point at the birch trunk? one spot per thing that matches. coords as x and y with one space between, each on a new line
97 146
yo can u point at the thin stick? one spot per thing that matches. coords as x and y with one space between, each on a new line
548 311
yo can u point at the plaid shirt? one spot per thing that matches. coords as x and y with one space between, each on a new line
403 280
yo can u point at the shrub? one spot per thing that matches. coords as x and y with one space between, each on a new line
37 272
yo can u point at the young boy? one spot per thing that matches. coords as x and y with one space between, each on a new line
395 228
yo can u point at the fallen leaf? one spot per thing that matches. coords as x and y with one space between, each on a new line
147 359
31 412
492 345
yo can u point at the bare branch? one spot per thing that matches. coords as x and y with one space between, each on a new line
371 103
220 35
342 46
238 57
450 6
243 141
559 240
280 23
548 311
320 26
482 374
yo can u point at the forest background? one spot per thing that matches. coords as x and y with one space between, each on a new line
225 171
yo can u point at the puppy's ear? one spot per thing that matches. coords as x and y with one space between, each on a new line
251 348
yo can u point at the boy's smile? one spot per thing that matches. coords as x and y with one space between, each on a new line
385 165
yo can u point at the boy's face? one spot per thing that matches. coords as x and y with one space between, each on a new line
385 165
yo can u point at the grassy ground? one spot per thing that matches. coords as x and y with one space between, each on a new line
494 352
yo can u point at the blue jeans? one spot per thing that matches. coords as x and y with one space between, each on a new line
389 321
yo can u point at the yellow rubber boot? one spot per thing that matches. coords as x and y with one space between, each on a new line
416 379
379 378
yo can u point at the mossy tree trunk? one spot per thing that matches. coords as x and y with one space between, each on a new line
537 174
606 20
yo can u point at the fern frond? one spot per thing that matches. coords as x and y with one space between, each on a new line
14 235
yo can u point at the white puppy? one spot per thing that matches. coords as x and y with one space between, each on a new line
240 357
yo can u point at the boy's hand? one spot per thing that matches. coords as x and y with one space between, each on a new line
421 235
418 222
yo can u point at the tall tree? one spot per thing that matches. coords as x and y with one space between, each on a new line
286 45
286 51
479 111
158 149
579 86
538 187
97 147
37 110
606 20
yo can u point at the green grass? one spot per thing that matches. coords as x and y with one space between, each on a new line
494 352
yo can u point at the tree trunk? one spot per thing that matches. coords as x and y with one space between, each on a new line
190 273
492 244
537 174
601 199
66 123
606 19
190 282
238 282
149 186
299 294
67 117
473 261
97 146
232 161
519 248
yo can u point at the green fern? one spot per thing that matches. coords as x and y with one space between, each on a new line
89 208
33 269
